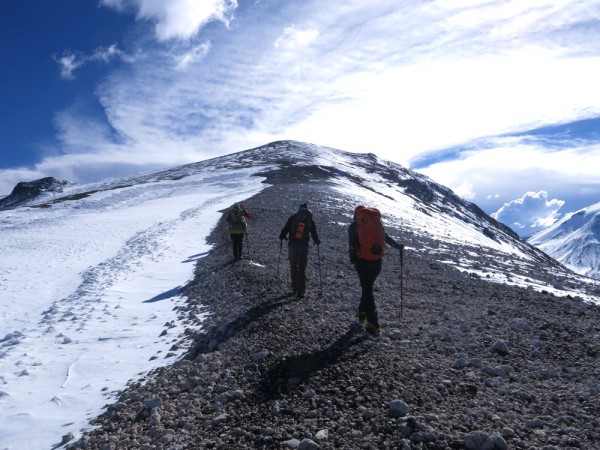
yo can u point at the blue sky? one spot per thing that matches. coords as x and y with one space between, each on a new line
497 100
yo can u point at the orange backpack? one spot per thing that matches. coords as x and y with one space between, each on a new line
301 225
371 237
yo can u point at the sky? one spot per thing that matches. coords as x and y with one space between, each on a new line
94 315
497 100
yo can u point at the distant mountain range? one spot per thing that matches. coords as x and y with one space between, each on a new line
574 241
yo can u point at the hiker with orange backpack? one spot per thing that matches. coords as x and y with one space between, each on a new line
298 227
366 242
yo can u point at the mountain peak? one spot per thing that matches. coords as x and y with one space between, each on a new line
574 240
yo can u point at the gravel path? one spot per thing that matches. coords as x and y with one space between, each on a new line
468 364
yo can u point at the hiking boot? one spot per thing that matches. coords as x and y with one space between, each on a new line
362 316
372 329
300 295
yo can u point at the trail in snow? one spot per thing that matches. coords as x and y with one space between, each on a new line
88 287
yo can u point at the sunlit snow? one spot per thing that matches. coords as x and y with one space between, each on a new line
88 287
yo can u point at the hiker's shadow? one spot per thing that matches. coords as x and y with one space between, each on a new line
166 295
196 257
294 370
256 312
235 326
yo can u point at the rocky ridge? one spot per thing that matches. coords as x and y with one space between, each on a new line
27 191
462 363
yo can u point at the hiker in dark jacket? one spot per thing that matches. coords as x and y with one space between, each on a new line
298 227
367 270
238 227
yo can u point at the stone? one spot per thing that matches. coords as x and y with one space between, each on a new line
501 348
398 408
308 444
478 440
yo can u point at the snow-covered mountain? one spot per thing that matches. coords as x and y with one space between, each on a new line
91 275
574 240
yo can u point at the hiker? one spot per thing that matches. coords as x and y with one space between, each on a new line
238 227
298 226
366 242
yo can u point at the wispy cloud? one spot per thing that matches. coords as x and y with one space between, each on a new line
69 62
192 55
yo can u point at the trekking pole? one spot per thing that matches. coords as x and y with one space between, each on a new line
401 278
278 260
248 245
320 280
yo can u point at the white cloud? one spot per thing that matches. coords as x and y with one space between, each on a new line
178 19
293 37
530 213
406 111
465 190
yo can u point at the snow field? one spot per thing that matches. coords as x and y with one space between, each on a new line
88 287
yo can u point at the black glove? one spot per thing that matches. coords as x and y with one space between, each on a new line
282 237
317 242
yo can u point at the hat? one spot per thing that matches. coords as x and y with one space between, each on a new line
304 206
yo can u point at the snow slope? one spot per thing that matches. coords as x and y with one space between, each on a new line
574 240
88 287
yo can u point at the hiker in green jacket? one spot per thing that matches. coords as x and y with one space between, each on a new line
238 227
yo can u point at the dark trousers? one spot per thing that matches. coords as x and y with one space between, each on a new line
238 245
367 274
298 256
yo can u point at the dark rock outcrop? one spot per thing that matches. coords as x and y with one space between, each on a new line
26 191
